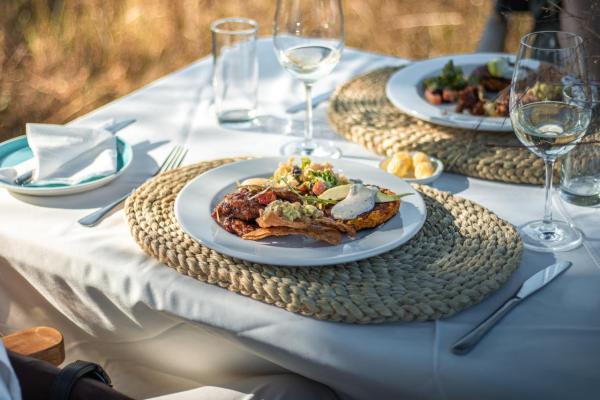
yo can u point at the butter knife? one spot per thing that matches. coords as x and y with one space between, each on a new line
113 128
316 100
529 287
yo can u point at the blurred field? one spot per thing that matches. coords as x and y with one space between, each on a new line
60 58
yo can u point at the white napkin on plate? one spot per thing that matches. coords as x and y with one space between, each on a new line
66 154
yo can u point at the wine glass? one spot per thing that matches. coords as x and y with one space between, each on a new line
308 36
546 122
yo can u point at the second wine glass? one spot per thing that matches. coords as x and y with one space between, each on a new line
546 122
308 36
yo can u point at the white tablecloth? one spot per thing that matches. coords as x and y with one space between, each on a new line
157 331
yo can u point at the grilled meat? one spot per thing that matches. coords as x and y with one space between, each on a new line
241 204
488 81
470 100
237 226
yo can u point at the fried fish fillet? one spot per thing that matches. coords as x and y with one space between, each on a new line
329 235
381 213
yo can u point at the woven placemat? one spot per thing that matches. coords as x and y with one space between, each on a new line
360 111
462 254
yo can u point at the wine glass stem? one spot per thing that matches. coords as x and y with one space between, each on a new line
548 225
308 126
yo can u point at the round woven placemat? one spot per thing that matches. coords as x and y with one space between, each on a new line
462 254
360 111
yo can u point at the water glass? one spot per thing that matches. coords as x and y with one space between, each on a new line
580 169
235 69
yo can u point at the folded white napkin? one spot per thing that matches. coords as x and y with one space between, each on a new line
66 154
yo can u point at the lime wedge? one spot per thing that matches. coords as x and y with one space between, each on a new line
336 193
499 67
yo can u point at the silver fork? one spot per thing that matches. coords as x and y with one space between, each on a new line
173 160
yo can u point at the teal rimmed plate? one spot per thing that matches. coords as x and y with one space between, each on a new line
15 151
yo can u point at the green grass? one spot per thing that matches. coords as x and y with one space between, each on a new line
61 59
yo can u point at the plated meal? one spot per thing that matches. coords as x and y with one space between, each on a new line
462 91
305 198
483 92
318 226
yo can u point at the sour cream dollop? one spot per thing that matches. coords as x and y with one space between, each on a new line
360 199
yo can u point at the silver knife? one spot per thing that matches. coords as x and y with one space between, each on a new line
316 100
114 128
529 287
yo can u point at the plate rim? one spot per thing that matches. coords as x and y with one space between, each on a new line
290 262
65 190
486 125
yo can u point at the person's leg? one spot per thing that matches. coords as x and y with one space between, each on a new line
36 378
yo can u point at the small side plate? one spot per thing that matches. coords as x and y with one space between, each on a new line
15 151
439 168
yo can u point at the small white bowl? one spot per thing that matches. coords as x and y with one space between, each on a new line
439 168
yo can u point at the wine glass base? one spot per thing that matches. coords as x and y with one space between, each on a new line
312 148
559 236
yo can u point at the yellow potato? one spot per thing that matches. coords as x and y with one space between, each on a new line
419 157
400 164
424 170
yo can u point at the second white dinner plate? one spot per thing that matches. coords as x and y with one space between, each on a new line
405 90
198 198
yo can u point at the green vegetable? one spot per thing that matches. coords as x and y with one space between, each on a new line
293 211
326 176
309 199
386 198
305 163
451 78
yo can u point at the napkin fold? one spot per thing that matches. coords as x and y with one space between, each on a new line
66 155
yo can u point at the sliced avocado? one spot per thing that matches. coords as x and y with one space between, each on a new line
386 198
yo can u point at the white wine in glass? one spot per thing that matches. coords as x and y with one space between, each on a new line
547 123
308 36
550 128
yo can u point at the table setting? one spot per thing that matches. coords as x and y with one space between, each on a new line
144 224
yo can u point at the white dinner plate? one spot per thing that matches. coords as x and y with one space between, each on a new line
197 199
405 90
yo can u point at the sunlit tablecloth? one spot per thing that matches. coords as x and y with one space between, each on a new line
157 331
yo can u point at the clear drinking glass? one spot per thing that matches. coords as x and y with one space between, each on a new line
580 169
309 38
546 122
235 69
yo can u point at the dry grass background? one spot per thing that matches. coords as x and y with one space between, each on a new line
60 58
